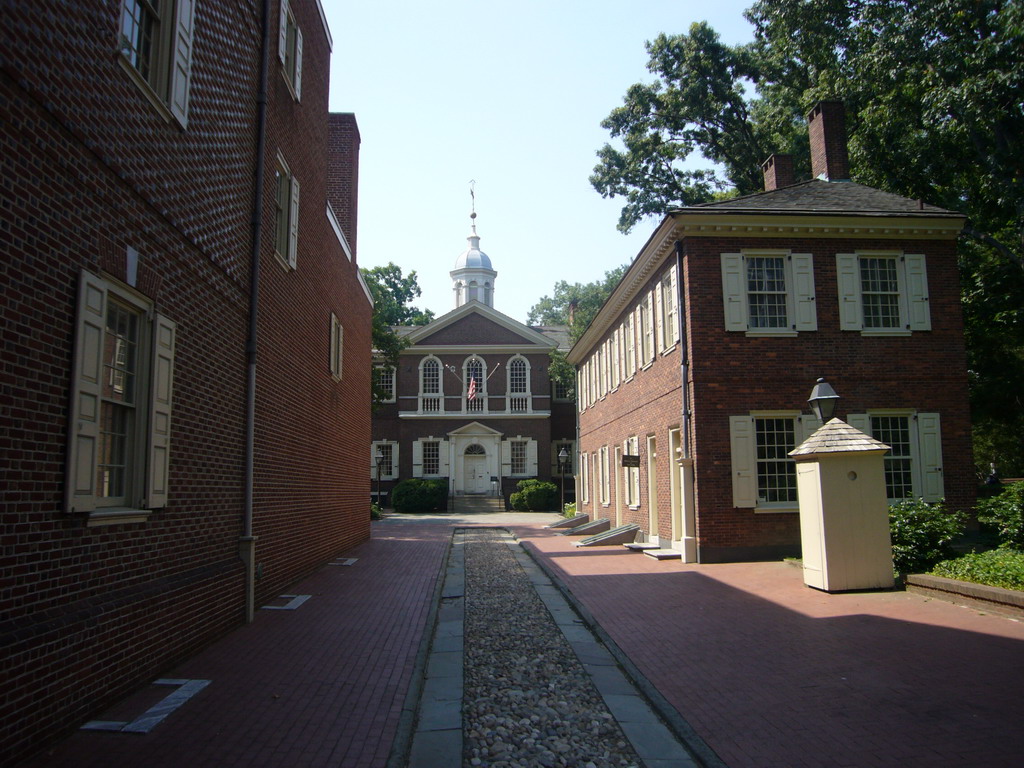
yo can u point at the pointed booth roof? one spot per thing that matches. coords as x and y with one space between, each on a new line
837 437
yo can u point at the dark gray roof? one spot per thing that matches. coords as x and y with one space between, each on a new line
825 197
557 333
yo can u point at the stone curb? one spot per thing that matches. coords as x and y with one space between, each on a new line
680 728
1009 602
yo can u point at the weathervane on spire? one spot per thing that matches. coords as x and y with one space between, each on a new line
472 197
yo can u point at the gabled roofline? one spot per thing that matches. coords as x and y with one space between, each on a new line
490 313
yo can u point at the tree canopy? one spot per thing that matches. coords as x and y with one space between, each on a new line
933 96
575 304
392 294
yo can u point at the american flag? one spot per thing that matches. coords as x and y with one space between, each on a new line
472 388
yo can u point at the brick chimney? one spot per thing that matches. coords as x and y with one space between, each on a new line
343 172
826 124
778 172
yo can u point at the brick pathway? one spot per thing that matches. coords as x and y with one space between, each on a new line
772 673
320 686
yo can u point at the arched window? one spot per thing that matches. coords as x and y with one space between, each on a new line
475 450
473 291
430 385
475 384
518 385
487 294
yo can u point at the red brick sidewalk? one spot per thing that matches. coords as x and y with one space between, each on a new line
320 686
772 673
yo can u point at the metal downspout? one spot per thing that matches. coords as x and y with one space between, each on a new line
684 353
247 542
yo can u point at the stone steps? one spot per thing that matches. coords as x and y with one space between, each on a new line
619 535
587 529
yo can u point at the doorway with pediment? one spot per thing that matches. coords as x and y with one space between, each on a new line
476 450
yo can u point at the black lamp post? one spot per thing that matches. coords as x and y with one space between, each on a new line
823 401
563 456
380 463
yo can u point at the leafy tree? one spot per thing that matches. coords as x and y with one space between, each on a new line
392 294
575 304
932 94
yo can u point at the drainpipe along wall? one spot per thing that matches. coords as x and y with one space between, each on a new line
247 542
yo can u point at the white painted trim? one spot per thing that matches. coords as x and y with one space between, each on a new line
327 29
366 288
338 233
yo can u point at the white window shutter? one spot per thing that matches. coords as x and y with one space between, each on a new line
806 425
506 458
929 438
744 469
919 315
859 421
373 460
554 459
394 460
649 328
659 309
293 224
282 33
848 276
805 314
181 69
531 458
161 387
86 383
443 462
734 292
417 458
675 306
298 64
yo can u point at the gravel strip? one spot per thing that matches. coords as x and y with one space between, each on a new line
527 700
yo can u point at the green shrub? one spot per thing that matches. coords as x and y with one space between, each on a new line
376 513
1006 513
419 495
534 496
921 533
569 510
996 568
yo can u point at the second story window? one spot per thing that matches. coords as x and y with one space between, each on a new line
286 214
518 386
475 384
385 378
156 47
769 292
883 293
289 49
430 386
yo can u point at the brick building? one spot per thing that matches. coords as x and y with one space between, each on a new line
701 361
180 336
471 400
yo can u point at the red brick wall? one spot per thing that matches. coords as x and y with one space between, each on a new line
732 374
89 168
343 172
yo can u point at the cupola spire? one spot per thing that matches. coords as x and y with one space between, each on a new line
473 276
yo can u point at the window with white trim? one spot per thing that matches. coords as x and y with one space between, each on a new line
337 347
913 466
519 399
119 445
630 351
769 292
431 391
474 385
286 214
384 376
289 49
384 454
585 477
569 464
603 475
883 293
631 475
155 44
669 327
518 453
763 474
645 327
431 458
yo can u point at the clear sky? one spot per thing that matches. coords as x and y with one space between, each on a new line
511 95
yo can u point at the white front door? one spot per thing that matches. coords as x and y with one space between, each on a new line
475 477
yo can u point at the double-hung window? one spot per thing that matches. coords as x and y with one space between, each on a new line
289 49
883 293
384 458
645 329
337 356
384 378
763 474
631 475
913 465
120 426
286 214
155 43
431 394
669 327
603 477
519 399
518 457
769 292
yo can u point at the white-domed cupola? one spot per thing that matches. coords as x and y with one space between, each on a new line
473 276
